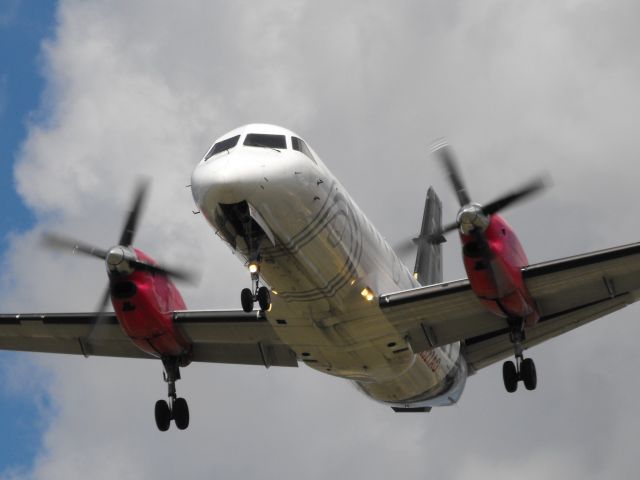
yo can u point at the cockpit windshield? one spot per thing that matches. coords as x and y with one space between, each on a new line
222 145
266 141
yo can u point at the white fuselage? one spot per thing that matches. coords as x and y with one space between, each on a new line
319 255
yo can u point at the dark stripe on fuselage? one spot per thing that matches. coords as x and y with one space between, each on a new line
305 235
352 229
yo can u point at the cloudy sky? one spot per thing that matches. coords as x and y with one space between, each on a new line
94 94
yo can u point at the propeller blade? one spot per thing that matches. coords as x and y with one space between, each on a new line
176 273
129 231
443 151
516 196
101 318
59 242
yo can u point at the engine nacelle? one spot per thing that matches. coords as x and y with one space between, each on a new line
144 303
494 266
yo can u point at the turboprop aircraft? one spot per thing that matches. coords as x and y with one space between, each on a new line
325 289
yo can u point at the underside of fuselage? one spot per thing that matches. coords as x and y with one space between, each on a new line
276 204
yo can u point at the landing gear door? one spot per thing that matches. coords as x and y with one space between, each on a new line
255 215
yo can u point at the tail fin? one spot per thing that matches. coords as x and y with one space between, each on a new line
428 269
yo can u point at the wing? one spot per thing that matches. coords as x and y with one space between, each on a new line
217 336
234 337
569 293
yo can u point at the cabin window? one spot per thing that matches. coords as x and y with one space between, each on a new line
299 145
222 146
265 140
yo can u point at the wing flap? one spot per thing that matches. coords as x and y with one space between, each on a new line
245 354
234 337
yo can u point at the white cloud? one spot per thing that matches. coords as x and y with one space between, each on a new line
142 88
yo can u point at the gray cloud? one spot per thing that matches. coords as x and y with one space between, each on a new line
519 88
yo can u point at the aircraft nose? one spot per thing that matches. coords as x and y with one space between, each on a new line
228 179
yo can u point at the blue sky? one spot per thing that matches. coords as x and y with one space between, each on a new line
23 26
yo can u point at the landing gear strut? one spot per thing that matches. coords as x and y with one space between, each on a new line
523 369
259 294
176 409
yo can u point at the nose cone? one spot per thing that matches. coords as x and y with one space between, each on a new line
230 178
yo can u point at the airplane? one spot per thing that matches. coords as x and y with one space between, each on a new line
328 291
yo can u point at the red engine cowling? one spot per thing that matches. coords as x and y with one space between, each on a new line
144 303
494 268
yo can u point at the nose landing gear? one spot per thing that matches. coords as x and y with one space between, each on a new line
259 294
523 369
176 409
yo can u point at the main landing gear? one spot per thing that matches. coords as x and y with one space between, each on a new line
176 409
523 369
259 294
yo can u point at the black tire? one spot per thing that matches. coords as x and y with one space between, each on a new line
528 374
264 299
181 413
246 299
510 376
163 415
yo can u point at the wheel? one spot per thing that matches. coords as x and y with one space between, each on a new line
181 413
264 299
246 298
510 376
163 415
528 374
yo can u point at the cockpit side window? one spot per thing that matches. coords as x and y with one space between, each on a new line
265 140
221 146
299 145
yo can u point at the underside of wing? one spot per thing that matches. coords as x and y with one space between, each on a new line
234 337
66 333
569 293
217 336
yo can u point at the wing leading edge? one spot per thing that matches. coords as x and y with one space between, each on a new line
218 336
569 292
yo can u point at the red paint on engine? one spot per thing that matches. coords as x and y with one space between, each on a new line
145 307
496 275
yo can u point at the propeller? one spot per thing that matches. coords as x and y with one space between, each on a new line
113 256
474 217
120 259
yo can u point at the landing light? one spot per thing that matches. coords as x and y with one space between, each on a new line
415 275
253 268
367 294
